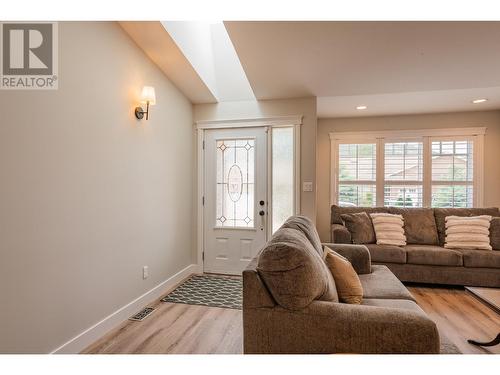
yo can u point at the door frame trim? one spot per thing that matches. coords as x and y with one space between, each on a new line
250 122
268 122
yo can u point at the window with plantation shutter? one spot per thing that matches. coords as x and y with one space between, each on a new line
357 174
421 168
403 168
452 173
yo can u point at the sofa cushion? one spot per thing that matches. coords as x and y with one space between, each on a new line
360 226
441 213
394 304
387 253
419 224
481 258
294 272
306 226
495 233
433 255
382 284
336 211
346 279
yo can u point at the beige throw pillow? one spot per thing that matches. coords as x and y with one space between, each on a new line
472 232
348 285
389 229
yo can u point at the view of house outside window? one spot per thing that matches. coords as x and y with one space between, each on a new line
357 174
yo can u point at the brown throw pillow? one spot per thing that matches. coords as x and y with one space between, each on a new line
495 233
360 226
348 285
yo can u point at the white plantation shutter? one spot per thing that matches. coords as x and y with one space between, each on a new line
408 168
357 174
452 173
403 173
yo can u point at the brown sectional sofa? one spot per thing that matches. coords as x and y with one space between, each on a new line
424 259
290 305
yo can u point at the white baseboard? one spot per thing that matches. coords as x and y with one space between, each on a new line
90 335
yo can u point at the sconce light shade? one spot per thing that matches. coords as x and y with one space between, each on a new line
148 97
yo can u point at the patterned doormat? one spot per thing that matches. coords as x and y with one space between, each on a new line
215 291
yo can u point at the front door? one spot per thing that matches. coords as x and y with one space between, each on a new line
235 209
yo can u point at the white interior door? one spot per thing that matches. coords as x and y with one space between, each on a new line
235 209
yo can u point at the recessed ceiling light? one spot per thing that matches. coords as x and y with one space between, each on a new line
361 107
477 101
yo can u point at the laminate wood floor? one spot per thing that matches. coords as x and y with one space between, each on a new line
189 329
460 316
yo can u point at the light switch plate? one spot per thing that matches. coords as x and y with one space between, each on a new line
145 272
307 186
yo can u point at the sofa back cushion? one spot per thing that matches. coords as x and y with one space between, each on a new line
306 226
360 226
441 213
255 293
419 225
293 271
337 211
495 233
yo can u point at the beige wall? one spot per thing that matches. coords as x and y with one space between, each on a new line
489 119
89 194
270 108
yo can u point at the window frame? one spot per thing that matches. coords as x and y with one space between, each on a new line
426 136
472 183
358 182
381 165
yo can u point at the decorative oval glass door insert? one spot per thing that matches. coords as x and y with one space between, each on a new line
235 183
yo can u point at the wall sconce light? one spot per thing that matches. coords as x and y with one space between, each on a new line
147 97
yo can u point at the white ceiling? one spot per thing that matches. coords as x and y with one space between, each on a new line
197 56
409 103
159 46
391 67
